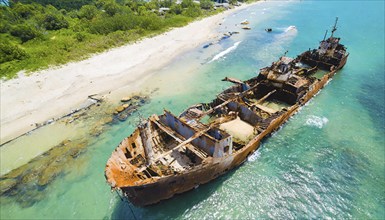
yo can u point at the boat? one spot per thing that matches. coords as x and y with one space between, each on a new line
246 27
169 154
268 30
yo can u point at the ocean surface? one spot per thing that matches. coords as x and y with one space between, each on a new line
328 161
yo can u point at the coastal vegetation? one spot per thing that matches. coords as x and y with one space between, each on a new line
36 34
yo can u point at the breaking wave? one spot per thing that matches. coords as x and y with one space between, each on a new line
287 32
253 157
316 121
291 28
223 53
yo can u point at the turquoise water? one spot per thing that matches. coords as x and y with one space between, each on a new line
326 162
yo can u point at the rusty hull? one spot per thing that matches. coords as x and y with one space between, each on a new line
168 155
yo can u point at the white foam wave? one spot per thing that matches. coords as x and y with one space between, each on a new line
286 31
223 53
316 121
288 34
253 157
291 28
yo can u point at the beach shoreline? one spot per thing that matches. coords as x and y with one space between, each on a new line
28 101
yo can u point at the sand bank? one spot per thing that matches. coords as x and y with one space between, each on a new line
54 92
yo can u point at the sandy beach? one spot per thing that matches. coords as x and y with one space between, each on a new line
54 92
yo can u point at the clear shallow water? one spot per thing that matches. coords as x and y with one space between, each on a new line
326 162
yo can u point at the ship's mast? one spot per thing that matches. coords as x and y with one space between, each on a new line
325 35
334 27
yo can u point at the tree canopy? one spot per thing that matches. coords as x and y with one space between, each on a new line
39 33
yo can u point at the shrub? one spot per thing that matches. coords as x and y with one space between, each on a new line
88 12
111 24
206 4
187 3
142 10
109 6
54 22
9 52
177 20
80 36
4 26
166 4
153 4
193 11
24 11
176 9
7 15
151 22
25 32
233 2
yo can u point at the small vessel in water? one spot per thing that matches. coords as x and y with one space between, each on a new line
268 30
168 154
246 27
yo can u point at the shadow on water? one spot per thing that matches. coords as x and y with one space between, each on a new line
372 98
170 208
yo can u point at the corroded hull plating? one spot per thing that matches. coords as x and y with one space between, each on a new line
168 155
167 187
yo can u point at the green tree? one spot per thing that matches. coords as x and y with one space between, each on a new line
109 6
7 17
60 4
25 32
117 22
187 3
207 4
176 9
88 12
24 11
54 22
151 22
142 10
153 4
193 11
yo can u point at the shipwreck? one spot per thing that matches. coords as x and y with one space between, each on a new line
169 154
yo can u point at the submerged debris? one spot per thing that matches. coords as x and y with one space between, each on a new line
131 105
245 22
225 36
27 183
